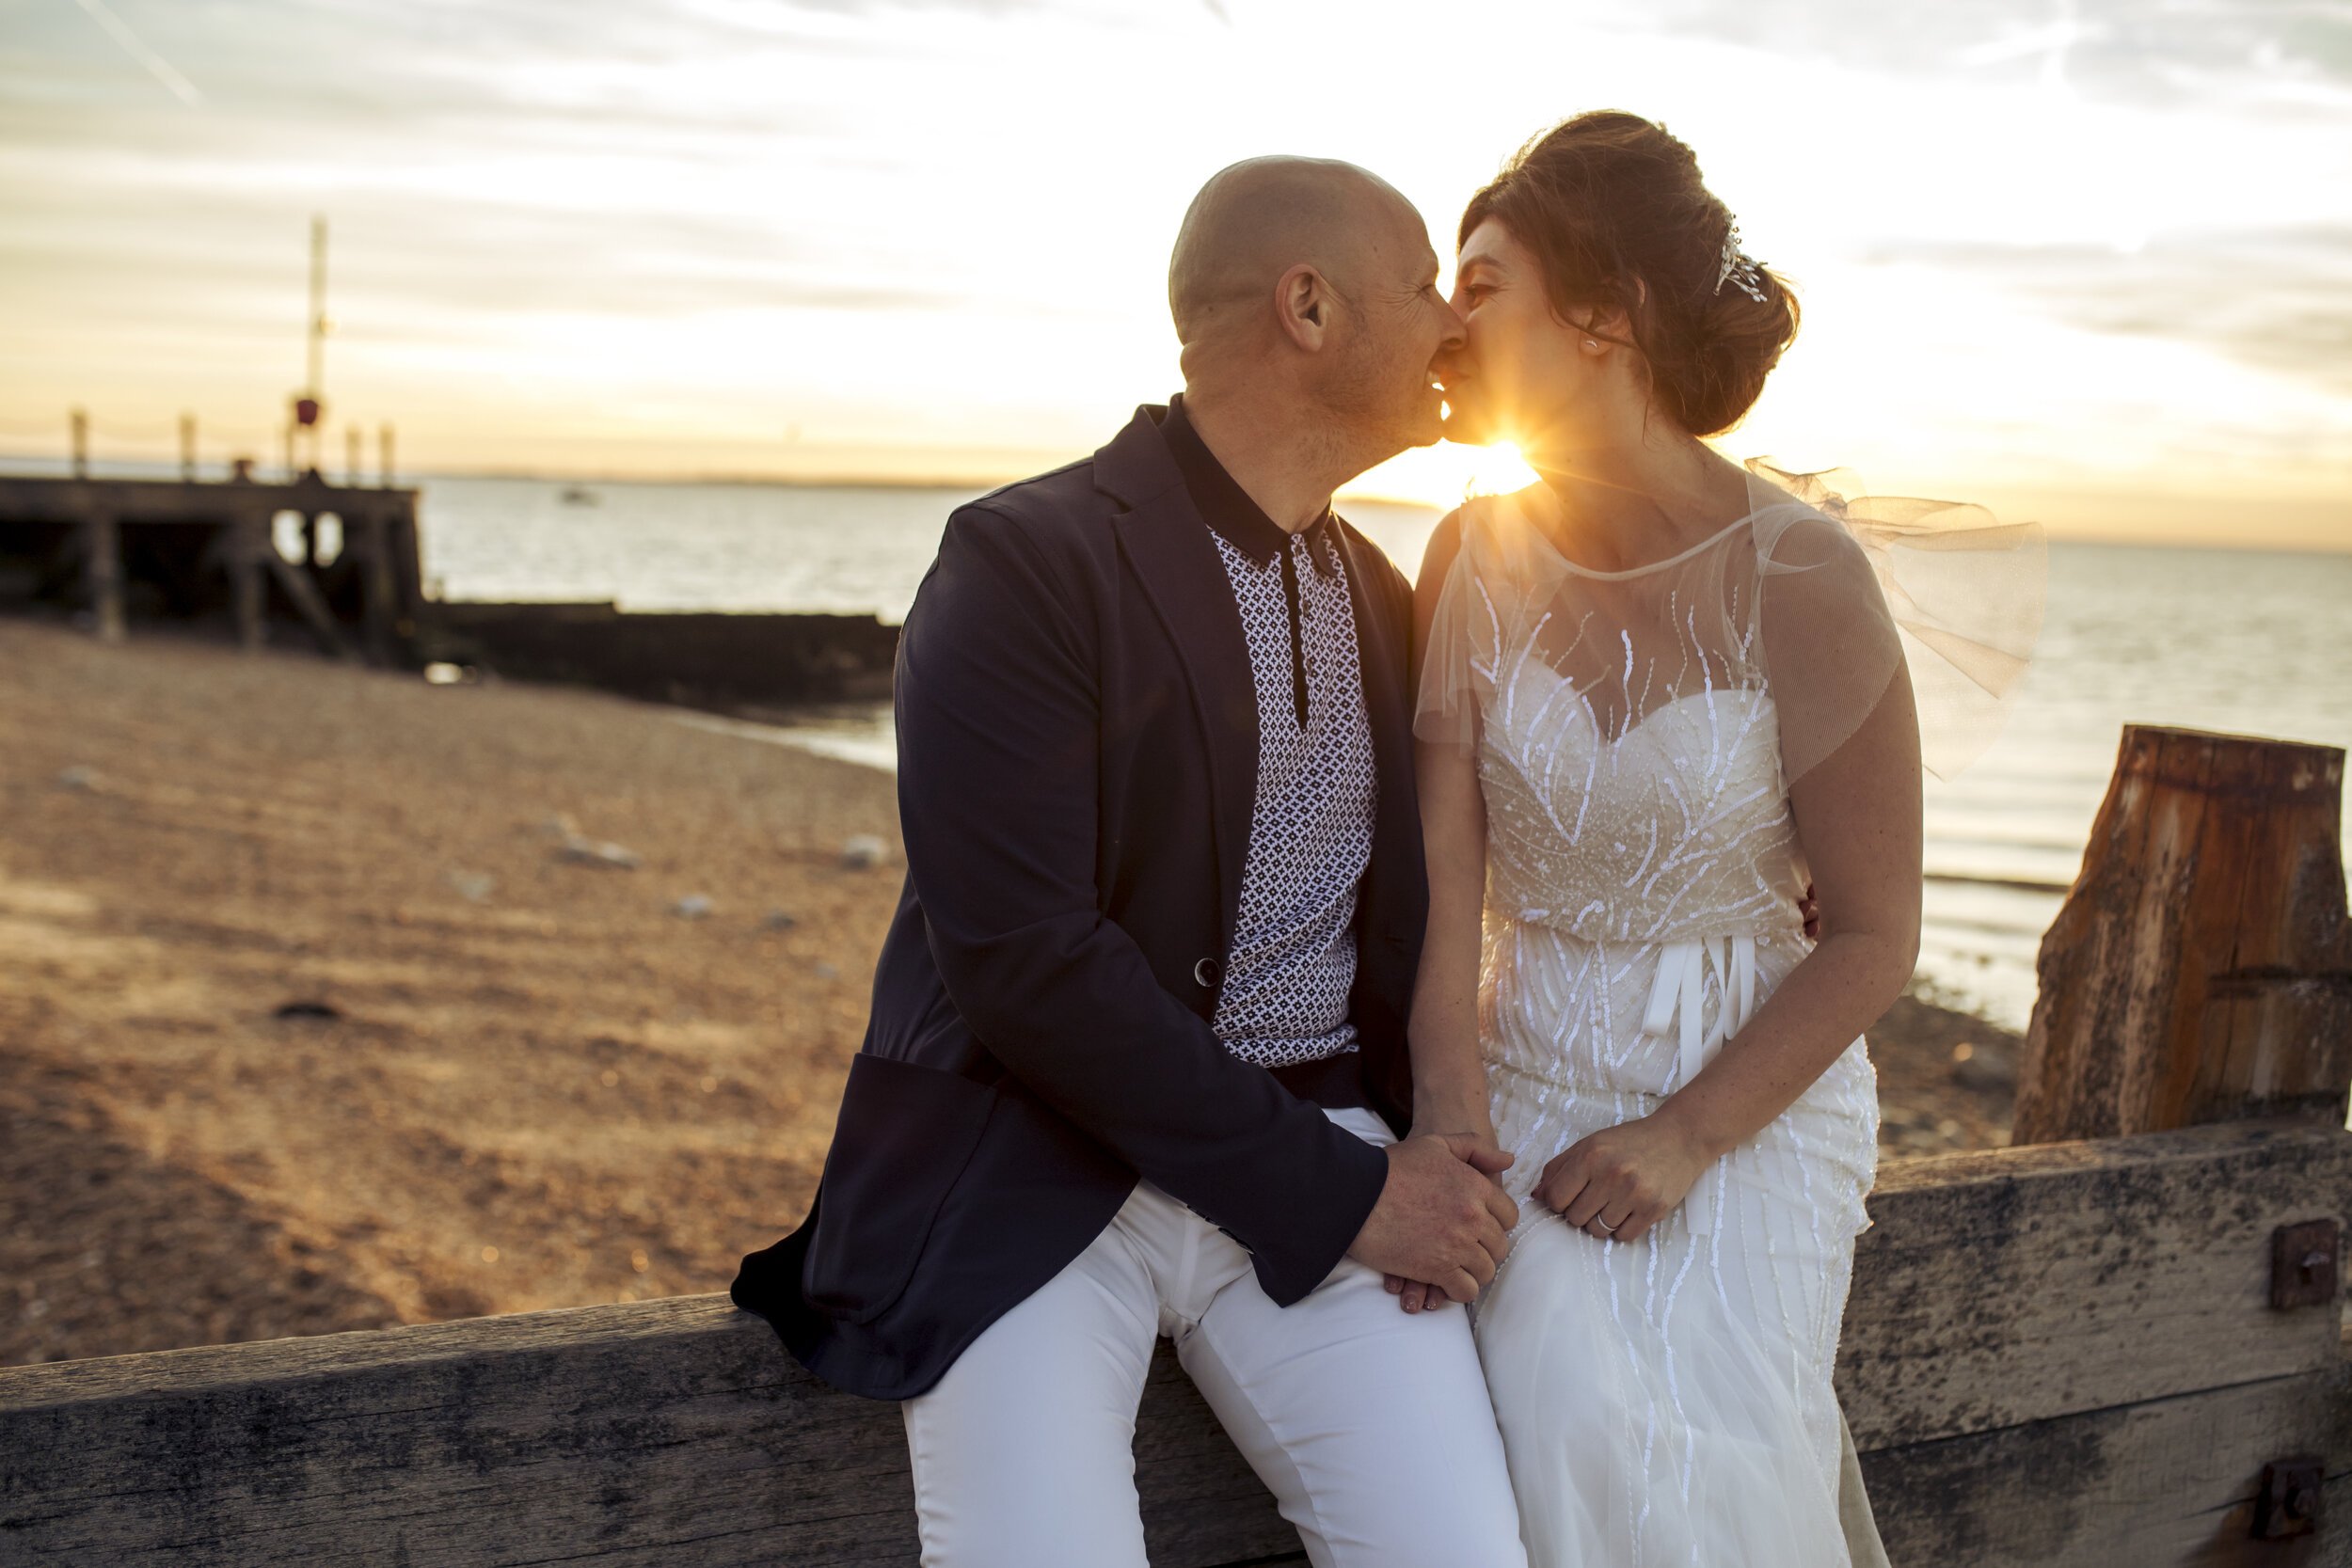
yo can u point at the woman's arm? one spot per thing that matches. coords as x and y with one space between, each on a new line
1441 1033
1449 1080
1858 817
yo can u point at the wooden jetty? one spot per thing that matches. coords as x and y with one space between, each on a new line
2124 1350
119 551
187 549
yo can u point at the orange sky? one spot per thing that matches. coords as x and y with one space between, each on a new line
2086 262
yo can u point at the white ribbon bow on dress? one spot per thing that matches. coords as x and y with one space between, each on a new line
1679 993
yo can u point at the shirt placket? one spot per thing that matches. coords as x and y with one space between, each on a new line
1292 601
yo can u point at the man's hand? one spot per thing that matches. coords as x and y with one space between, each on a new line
1618 1184
1454 1121
1809 911
1440 1218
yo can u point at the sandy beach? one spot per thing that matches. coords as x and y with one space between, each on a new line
308 1021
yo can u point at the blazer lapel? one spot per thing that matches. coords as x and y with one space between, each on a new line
1173 557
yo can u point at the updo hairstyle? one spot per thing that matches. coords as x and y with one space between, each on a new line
1614 211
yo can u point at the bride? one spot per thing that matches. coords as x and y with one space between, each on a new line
1660 694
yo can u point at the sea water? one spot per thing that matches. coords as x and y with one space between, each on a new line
2251 642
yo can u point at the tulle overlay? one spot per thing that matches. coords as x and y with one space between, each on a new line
1668 1401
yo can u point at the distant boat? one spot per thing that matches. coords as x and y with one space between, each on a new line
580 494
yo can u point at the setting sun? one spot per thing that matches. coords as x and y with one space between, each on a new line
1445 475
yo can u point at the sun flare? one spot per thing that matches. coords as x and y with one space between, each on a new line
1446 475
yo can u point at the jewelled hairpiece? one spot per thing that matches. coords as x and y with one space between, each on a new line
1739 268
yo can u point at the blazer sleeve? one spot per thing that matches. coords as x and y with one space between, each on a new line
998 718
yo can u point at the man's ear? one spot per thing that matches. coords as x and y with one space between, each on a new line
1303 304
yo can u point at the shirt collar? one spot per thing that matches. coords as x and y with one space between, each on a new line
1227 508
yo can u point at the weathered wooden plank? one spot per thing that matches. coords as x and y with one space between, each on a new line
2013 1285
1998 1293
144 499
2165 1484
2201 967
673 1432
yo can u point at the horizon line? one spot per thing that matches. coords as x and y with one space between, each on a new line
2152 538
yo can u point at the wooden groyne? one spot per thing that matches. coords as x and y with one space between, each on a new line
122 551
733 662
2062 1354
2115 1352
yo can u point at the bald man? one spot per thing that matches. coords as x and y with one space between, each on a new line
1137 1066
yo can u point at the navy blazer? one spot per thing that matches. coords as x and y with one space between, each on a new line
1077 769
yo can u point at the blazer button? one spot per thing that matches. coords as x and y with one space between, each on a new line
1207 973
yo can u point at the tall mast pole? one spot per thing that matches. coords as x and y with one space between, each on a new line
318 306
310 403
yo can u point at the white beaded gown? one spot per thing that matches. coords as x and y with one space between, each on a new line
1667 1402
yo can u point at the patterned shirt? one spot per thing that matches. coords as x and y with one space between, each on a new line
1283 1000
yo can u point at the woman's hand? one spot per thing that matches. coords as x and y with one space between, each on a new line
1618 1184
1458 1117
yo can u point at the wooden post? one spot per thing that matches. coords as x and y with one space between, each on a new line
2200 969
188 448
352 440
379 598
244 577
384 455
77 421
102 561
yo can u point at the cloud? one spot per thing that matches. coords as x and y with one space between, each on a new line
2272 298
952 215
2151 51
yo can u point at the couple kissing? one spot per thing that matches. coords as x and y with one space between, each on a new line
1292 955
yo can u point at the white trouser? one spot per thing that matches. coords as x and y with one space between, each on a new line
1370 1426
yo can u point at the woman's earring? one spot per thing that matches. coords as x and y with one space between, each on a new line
1592 344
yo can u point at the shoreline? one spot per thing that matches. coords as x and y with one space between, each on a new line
309 1019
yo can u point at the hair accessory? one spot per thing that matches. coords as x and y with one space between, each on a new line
1738 267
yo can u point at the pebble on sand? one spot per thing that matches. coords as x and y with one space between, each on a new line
584 851
694 906
863 853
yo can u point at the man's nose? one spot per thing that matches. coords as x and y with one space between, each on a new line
1457 325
